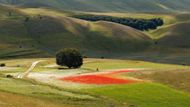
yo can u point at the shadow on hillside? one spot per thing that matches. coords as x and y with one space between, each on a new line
156 57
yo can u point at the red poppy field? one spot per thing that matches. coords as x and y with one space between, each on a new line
100 78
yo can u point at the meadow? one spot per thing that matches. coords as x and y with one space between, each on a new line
154 90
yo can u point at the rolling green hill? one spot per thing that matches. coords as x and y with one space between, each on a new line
108 5
28 32
29 35
48 30
174 33
176 36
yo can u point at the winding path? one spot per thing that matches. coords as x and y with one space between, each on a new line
25 74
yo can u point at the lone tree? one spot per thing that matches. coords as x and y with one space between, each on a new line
71 58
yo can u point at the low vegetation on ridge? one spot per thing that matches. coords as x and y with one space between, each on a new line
140 24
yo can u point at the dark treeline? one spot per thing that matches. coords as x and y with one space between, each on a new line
137 23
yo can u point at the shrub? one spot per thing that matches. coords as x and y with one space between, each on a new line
71 58
102 57
10 13
85 57
156 43
27 19
9 76
2 65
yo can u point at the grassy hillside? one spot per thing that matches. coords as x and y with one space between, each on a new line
84 35
107 5
41 95
9 99
48 30
39 30
144 95
175 35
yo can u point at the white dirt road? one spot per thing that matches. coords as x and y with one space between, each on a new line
25 74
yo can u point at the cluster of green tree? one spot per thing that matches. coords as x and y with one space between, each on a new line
137 23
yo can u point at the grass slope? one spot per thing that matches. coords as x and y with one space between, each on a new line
49 33
107 5
176 35
144 95
173 34
12 100
49 30
54 96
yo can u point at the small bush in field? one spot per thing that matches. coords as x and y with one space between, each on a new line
2 65
9 76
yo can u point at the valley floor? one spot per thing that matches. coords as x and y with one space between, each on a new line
100 82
